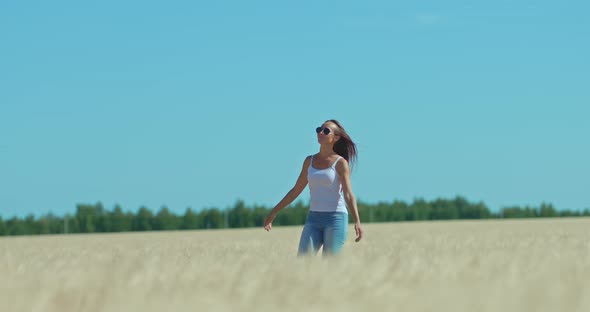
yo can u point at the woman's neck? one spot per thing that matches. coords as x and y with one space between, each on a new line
326 150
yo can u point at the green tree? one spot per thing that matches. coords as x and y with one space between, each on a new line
569 213
31 225
443 210
397 212
190 220
143 220
120 222
14 226
510 212
547 211
419 210
44 225
238 215
104 223
214 219
55 224
88 216
366 212
518 212
476 211
73 224
2 227
165 220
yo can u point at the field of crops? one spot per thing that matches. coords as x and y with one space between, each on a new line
492 265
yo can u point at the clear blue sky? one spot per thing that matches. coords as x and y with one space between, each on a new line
199 103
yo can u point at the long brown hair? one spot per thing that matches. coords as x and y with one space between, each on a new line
345 147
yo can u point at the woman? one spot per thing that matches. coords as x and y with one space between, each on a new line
328 175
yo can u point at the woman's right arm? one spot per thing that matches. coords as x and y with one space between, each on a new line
291 195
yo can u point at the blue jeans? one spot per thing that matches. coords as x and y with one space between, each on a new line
329 229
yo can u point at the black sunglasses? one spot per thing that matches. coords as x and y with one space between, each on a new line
326 130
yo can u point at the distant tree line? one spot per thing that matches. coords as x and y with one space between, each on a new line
94 218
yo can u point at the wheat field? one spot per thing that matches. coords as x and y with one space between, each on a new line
491 265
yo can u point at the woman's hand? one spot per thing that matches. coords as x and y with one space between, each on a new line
359 231
268 221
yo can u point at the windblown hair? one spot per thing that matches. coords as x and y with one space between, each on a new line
345 147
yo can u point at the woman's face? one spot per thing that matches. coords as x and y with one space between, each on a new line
329 138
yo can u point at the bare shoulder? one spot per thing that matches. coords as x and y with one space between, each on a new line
342 166
307 161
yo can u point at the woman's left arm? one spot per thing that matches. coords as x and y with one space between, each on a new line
343 171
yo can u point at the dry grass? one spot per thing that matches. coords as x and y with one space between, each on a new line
524 265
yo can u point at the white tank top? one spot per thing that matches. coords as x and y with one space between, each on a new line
325 189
